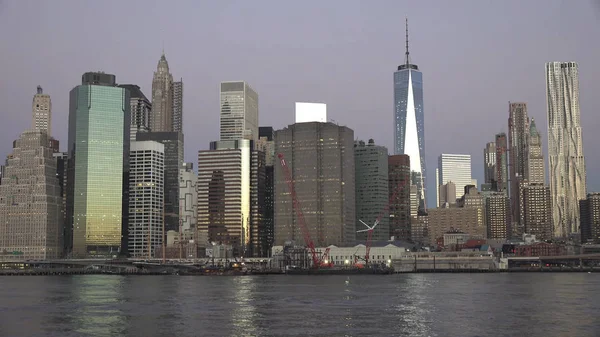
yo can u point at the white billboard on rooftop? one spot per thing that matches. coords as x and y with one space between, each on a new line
311 112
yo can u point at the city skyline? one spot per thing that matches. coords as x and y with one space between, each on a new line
373 92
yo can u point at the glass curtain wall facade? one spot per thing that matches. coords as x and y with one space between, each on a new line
239 111
372 191
409 120
99 118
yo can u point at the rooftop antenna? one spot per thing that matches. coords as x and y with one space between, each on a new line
407 60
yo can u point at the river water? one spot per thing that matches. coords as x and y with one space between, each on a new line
527 304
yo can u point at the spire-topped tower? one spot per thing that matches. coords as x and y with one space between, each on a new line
409 121
407 64
162 97
407 53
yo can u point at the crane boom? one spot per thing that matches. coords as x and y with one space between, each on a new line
296 204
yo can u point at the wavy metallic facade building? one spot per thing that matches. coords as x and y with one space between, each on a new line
565 146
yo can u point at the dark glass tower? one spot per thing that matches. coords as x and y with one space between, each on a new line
409 121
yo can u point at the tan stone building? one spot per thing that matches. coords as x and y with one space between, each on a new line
31 201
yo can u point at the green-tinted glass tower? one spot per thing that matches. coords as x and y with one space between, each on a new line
97 205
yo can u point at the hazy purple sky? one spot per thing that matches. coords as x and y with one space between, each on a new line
475 56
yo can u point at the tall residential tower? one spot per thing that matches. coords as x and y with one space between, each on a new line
409 121
565 146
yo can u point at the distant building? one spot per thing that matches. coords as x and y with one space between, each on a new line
320 157
468 217
536 210
501 163
442 220
419 228
455 168
146 193
188 197
590 218
518 144
31 221
230 191
447 195
161 119
565 146
173 145
267 145
177 105
399 196
97 201
489 162
62 166
141 110
371 184
42 112
239 111
497 214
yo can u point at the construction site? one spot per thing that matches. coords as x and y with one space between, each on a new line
305 259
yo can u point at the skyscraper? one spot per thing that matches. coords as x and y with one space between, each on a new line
177 89
188 197
536 172
141 110
173 146
536 213
42 112
320 157
400 207
266 144
31 225
518 144
565 146
518 140
455 168
97 203
146 193
497 216
239 111
489 162
371 183
228 205
501 163
409 121
161 119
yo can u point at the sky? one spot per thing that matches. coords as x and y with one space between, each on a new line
475 55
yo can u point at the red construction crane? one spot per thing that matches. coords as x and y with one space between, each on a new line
299 214
370 229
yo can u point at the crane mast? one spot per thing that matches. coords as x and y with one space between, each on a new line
299 215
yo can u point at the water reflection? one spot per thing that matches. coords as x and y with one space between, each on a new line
243 315
412 305
98 300
357 305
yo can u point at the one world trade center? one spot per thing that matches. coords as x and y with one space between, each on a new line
409 122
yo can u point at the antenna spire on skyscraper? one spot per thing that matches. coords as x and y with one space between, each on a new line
407 53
